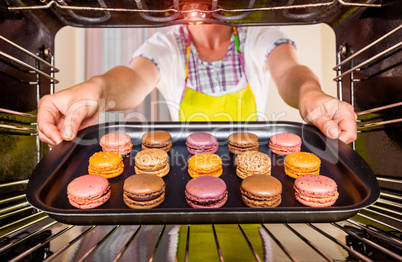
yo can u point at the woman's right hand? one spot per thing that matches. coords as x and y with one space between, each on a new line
63 114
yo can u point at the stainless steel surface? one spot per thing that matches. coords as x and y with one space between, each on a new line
63 5
294 242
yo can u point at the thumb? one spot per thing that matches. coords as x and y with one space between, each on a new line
327 126
75 115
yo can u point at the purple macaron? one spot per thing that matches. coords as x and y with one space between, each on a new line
201 143
206 192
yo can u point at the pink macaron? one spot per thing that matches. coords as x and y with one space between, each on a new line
316 190
285 143
201 143
116 142
206 192
88 191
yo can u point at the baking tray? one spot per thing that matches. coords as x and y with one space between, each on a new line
47 186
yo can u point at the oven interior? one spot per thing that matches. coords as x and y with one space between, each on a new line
369 73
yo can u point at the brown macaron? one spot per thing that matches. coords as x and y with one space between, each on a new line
261 191
152 161
157 139
242 142
143 191
252 162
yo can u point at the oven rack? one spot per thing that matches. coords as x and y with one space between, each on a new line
35 223
174 11
346 240
27 68
17 57
365 121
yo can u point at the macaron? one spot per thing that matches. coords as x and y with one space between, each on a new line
201 143
252 162
261 191
107 164
316 190
152 161
157 139
116 142
285 143
206 192
302 163
205 164
88 191
242 142
143 191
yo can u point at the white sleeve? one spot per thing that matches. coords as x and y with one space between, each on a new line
163 51
260 41
263 39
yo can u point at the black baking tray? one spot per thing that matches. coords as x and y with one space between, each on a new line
47 186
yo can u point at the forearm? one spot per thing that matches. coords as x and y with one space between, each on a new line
123 87
298 85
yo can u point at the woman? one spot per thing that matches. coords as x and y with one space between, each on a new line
61 115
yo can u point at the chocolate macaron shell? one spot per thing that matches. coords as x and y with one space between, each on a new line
157 139
142 191
206 192
261 191
242 141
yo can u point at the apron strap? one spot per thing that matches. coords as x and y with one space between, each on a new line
188 43
237 41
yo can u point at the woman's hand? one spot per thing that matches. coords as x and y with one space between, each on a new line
62 115
335 118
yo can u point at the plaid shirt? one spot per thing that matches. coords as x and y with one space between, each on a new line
216 76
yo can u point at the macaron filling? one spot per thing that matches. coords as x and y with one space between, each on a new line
145 197
199 202
259 201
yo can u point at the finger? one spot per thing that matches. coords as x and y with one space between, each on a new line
75 116
48 131
348 129
46 140
327 126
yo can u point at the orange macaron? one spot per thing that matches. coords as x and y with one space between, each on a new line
205 164
107 164
302 163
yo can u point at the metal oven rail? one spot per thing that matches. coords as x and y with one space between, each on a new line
49 240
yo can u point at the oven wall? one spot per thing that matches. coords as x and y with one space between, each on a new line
375 91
